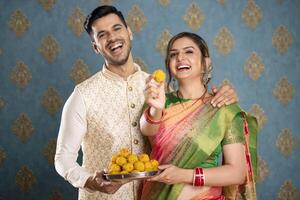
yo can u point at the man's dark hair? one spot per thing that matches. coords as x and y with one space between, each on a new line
99 12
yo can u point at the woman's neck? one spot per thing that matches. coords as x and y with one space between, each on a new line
191 90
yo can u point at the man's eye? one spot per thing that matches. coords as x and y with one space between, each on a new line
189 52
100 35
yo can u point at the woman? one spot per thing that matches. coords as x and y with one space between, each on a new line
189 136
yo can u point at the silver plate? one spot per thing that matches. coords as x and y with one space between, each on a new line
130 176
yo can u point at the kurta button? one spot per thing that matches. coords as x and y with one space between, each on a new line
130 88
135 141
134 124
132 105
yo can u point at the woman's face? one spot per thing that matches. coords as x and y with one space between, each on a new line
185 59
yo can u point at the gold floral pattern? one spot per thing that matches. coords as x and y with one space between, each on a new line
254 66
79 72
222 2
76 20
224 41
19 23
106 2
194 17
252 14
49 151
2 156
286 142
280 1
47 4
164 2
49 48
284 91
22 127
136 19
56 196
282 39
288 191
262 170
2 103
141 63
20 75
162 42
25 179
259 114
51 101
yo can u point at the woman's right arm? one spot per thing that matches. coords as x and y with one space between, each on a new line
155 99
148 128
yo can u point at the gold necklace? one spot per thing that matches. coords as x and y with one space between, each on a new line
196 100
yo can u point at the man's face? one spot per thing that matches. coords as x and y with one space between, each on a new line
112 39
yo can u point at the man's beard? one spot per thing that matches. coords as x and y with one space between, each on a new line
117 62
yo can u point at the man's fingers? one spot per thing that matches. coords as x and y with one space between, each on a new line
218 99
225 90
230 101
99 180
97 174
214 89
225 100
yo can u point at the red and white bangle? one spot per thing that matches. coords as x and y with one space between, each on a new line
199 177
151 120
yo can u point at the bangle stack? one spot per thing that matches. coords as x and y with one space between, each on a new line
149 119
199 177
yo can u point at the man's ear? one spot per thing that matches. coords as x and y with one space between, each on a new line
130 32
95 47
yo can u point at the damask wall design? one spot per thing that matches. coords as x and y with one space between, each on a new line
44 53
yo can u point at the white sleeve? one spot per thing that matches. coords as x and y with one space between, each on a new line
72 129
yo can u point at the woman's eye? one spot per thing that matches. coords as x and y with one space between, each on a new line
189 52
172 55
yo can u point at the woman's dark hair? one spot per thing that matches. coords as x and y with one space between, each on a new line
199 41
99 12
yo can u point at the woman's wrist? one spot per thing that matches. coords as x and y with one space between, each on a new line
155 118
186 175
155 113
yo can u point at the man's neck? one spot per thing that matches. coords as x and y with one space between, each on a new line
124 70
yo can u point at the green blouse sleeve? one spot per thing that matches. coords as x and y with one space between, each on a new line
235 131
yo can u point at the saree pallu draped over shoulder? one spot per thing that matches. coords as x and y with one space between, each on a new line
190 132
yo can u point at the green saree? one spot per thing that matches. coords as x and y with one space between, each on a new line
192 135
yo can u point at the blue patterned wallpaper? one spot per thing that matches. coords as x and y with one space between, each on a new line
44 52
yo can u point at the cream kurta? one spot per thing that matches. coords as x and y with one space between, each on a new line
102 115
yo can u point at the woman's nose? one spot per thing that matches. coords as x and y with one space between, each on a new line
180 56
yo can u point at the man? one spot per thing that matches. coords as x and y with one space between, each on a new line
103 112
